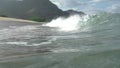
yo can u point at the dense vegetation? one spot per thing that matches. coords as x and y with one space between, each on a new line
38 19
3 15
24 9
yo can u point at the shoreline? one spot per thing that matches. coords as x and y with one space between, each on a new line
6 22
15 19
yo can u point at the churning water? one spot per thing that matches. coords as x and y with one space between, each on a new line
90 41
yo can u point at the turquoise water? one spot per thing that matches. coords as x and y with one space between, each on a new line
95 44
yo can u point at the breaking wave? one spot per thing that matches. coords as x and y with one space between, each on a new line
85 22
68 24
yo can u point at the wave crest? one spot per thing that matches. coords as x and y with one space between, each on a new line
68 24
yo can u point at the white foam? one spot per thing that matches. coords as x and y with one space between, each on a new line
42 43
14 31
46 42
15 43
64 50
68 24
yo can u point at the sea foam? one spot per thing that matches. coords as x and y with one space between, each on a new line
68 24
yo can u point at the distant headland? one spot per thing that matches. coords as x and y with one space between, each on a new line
35 10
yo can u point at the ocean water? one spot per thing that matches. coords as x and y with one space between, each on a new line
90 41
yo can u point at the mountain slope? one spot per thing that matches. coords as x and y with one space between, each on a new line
28 8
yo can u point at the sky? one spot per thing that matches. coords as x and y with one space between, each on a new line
89 6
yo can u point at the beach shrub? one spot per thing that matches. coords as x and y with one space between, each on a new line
38 19
3 16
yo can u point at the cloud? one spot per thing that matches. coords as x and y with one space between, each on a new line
103 0
71 4
96 0
115 8
88 5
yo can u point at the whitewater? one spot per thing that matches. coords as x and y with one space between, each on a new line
89 41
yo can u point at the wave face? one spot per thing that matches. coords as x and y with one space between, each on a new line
90 41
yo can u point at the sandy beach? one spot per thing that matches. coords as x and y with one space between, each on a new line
14 19
8 22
